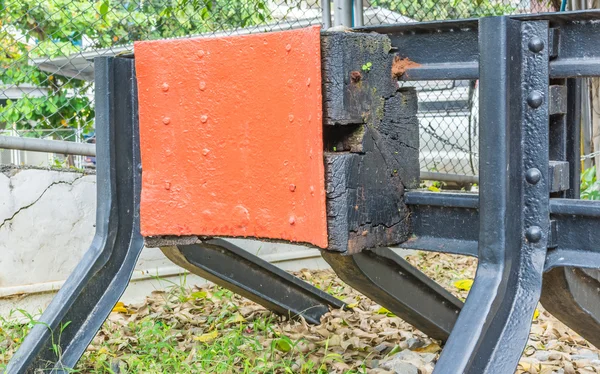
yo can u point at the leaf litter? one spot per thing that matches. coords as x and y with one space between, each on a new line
208 329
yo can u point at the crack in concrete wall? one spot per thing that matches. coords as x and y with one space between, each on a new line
19 210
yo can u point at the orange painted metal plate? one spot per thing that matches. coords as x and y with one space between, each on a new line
231 136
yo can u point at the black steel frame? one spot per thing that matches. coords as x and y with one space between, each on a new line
514 196
388 279
78 310
532 238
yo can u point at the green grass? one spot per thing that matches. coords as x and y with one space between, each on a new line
212 330
195 330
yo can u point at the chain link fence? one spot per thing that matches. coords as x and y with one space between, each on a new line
47 48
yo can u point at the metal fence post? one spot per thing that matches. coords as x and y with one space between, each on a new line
358 13
326 13
342 13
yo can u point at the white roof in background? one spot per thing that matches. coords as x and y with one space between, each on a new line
382 16
81 66
13 92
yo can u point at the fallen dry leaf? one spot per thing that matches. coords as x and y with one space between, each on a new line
430 348
205 338
358 339
464 284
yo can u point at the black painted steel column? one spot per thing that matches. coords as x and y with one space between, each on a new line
493 327
78 310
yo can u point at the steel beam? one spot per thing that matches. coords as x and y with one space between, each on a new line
449 222
392 282
236 269
449 49
72 319
443 222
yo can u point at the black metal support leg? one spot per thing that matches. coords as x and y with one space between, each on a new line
572 296
392 282
248 275
493 327
78 310
569 293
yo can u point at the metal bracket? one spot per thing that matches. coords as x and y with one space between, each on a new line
392 282
254 278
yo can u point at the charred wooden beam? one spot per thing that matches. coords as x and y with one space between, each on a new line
372 141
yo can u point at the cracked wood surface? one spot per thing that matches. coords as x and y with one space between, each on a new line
372 143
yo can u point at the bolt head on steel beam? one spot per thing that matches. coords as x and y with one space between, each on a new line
535 99
533 175
536 44
533 234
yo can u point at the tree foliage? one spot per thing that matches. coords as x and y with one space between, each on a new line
57 28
